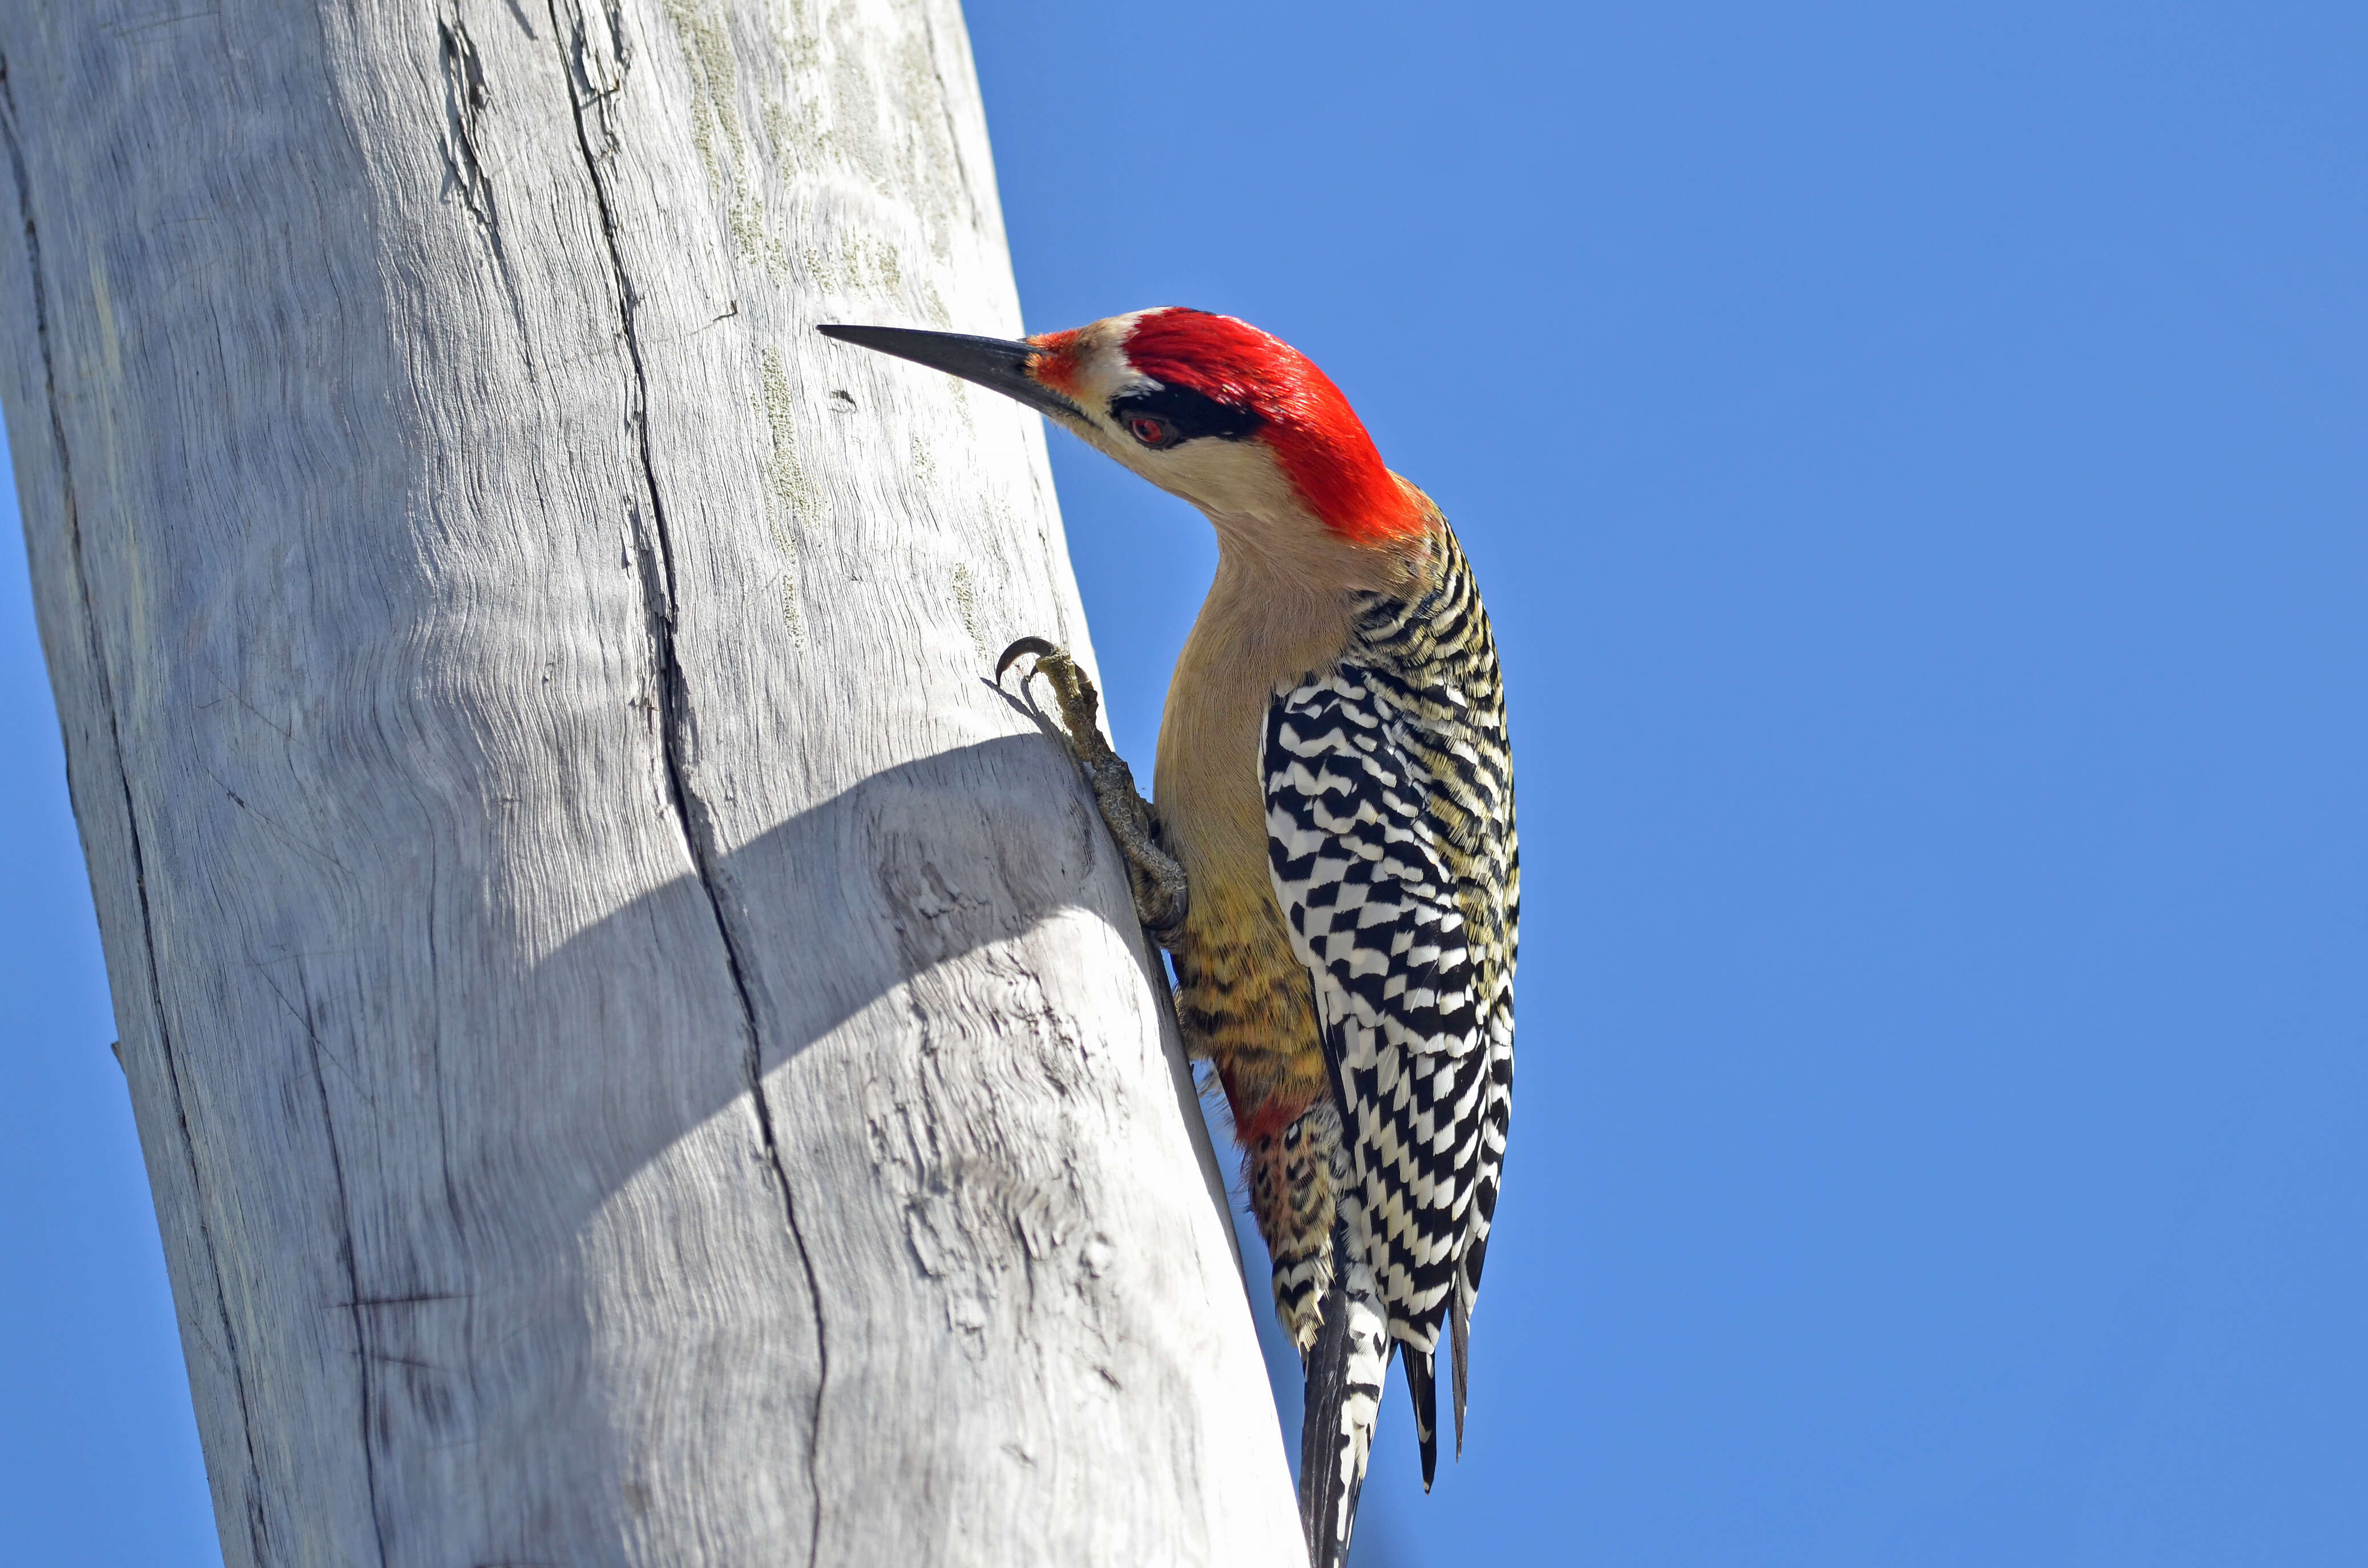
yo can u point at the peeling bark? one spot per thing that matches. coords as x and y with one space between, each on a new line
641 1052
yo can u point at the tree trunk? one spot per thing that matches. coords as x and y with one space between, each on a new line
641 1052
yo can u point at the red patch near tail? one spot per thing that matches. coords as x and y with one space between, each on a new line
1263 1120
1315 435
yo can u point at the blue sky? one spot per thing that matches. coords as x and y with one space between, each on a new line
1915 460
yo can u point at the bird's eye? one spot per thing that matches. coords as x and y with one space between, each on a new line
1149 431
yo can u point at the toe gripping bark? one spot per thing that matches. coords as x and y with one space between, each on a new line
1161 893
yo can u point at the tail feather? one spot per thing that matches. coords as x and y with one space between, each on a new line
1459 1332
1344 1394
1422 1384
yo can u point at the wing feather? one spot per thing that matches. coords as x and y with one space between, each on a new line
1389 799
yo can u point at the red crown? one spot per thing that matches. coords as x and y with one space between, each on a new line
1317 437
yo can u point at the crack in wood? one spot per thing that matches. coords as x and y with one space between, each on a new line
345 1255
259 1533
411 1301
465 101
674 718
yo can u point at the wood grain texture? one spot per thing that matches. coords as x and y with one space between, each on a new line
642 1053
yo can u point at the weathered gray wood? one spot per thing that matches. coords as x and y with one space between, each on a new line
642 1053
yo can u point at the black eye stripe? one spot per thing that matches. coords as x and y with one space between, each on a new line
1188 413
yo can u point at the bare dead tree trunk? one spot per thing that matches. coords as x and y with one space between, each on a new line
642 1053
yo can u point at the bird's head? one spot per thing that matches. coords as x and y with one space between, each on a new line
1208 408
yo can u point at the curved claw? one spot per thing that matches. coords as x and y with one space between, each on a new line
1162 894
1026 646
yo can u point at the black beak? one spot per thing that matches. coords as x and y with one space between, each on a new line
992 362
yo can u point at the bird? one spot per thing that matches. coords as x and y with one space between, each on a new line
1328 856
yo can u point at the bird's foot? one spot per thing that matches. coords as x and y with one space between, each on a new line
1161 893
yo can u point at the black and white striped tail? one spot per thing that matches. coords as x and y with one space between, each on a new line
1344 1395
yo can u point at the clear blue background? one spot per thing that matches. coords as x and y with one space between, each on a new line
1915 460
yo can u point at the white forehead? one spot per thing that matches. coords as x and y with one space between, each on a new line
1100 367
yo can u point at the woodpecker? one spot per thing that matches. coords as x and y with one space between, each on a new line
1329 855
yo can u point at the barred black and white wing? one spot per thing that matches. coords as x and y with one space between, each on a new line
1390 836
